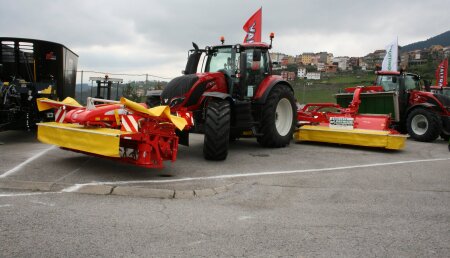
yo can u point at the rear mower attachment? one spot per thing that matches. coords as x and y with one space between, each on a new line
329 122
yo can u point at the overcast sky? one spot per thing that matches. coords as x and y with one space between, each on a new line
153 36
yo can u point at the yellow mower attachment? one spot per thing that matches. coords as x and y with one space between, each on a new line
359 137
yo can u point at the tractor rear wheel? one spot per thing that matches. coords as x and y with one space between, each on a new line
423 125
217 130
279 118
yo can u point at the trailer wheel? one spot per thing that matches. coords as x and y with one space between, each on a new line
423 125
279 118
217 130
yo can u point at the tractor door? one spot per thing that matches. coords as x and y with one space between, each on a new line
257 69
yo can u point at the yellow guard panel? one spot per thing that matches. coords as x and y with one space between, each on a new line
101 141
360 137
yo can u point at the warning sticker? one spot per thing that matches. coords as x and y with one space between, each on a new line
341 122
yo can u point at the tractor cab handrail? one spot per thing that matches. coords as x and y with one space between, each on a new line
91 102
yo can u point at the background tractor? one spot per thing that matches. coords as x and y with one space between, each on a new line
235 93
422 114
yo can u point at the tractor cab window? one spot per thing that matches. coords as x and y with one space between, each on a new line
257 61
222 59
411 82
388 82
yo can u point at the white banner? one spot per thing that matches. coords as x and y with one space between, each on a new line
391 58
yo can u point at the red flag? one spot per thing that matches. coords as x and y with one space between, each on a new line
253 27
441 73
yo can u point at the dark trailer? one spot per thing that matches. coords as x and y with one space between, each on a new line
30 69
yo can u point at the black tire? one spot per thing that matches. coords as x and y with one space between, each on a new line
153 101
217 130
279 118
423 125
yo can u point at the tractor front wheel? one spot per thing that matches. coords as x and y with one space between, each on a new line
423 125
279 118
217 130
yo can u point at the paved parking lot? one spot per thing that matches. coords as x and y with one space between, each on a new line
306 200
30 164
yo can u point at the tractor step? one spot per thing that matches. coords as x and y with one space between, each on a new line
242 115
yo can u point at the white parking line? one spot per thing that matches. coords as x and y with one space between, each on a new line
16 168
25 194
268 173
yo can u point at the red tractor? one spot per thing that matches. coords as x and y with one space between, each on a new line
422 114
235 93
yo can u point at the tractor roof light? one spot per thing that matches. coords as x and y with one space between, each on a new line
222 39
272 35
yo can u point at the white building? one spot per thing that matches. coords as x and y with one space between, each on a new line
301 72
320 67
277 57
342 62
313 76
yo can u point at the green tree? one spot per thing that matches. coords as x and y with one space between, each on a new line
130 92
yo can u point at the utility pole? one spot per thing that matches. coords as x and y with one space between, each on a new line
81 94
304 91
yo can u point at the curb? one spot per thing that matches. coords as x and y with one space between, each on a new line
133 191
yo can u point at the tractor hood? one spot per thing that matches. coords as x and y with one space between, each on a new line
191 87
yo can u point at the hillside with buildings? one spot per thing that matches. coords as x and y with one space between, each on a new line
421 57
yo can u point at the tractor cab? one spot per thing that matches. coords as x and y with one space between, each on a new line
244 66
390 81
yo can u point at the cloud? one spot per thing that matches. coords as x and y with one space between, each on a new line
154 36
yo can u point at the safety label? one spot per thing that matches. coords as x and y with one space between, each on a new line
341 122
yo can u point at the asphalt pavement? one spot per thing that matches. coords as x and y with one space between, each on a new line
306 200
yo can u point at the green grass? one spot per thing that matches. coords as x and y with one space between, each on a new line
360 80
324 90
316 93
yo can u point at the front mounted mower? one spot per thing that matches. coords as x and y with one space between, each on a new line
124 131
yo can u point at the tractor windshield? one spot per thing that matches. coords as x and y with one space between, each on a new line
223 58
412 82
391 82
